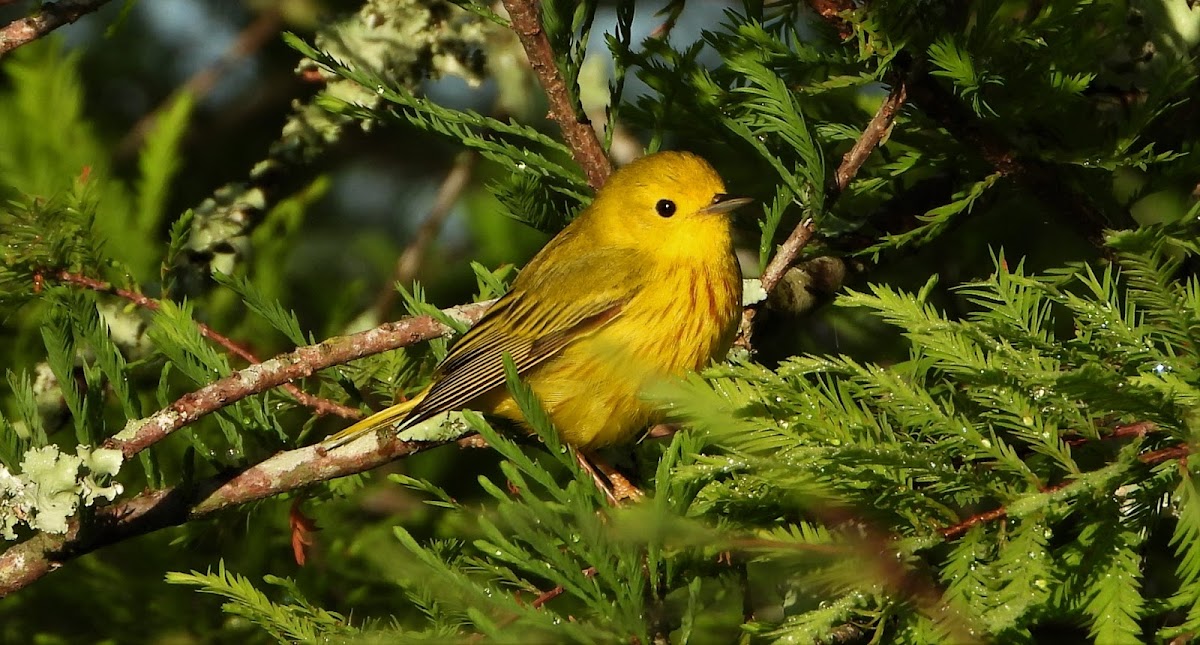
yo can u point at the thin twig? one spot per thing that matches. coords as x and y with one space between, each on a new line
25 563
252 38
951 532
139 434
1042 179
876 550
409 262
50 16
831 11
537 603
876 129
1139 429
1155 457
872 135
599 482
577 130
621 488
319 405
786 254
673 10
771 276
557 591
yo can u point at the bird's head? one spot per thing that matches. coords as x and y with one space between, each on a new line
673 203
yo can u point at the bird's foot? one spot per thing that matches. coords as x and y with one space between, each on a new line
615 486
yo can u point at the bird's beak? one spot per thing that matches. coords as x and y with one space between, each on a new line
724 204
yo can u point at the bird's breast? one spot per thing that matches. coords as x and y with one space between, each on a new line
594 388
687 319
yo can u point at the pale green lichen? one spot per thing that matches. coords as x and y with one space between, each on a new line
408 41
443 427
752 292
459 314
52 485
134 426
404 41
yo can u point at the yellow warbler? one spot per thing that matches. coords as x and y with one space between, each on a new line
642 285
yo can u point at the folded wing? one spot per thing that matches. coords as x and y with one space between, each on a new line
549 307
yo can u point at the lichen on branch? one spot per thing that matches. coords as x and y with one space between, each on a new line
51 486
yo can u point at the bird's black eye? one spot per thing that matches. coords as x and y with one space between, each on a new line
665 207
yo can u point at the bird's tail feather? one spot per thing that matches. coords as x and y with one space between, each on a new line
387 417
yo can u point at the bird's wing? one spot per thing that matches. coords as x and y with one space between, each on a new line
550 305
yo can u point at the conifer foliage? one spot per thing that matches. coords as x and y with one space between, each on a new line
985 436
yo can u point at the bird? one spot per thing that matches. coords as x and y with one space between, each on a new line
642 286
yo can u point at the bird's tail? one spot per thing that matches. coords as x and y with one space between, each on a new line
393 416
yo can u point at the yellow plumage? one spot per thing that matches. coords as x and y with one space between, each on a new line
642 285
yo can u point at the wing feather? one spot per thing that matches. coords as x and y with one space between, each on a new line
548 307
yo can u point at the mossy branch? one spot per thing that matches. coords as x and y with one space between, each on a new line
140 434
151 510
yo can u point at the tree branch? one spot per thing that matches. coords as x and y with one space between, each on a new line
149 511
27 562
831 11
852 161
319 405
46 19
139 434
576 128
